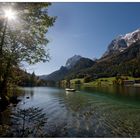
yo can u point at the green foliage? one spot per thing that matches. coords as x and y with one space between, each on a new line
33 79
68 83
50 83
80 75
22 78
87 79
78 82
118 80
23 39
26 39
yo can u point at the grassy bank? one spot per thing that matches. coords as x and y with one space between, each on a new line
100 81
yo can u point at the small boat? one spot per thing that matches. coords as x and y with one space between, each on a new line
70 89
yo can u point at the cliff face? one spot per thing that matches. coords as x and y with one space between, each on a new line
122 42
73 64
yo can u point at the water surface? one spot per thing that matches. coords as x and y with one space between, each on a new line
96 112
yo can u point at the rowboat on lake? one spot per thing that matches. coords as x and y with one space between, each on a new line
70 89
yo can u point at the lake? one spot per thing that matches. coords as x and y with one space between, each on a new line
88 112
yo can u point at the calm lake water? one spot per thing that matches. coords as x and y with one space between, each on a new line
96 112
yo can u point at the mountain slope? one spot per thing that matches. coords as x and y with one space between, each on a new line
82 63
72 61
57 75
73 66
122 42
121 58
123 63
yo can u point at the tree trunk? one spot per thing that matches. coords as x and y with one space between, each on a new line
5 80
2 82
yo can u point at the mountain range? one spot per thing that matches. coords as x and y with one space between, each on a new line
122 42
73 64
121 57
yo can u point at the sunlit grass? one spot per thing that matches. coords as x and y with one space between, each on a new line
101 81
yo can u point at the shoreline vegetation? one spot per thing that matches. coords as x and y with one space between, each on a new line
103 82
24 41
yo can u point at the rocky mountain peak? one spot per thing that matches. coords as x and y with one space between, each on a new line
122 42
72 61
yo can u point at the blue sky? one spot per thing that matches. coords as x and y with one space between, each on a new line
85 29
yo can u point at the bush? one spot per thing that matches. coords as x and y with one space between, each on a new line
87 79
78 82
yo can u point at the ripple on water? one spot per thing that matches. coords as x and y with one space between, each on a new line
86 115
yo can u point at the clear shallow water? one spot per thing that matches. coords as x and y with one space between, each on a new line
97 112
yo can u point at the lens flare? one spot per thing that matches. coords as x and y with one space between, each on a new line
10 14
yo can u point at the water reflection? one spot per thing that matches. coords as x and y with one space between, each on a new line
117 92
28 92
90 112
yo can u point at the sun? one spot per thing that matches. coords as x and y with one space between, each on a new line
10 14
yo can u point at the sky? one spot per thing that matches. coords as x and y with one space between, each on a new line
85 29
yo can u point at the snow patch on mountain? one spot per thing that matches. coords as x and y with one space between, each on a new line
122 42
